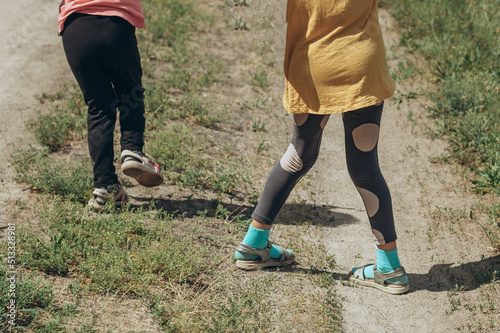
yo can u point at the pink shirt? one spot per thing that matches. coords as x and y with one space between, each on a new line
130 10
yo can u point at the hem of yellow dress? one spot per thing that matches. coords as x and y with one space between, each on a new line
337 109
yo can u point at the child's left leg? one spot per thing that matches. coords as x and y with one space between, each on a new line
125 70
361 142
124 67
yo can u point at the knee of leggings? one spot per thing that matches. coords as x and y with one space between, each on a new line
293 163
310 161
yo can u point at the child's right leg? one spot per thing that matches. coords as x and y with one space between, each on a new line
255 251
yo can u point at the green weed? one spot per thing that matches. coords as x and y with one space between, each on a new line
490 176
260 79
258 126
261 147
240 24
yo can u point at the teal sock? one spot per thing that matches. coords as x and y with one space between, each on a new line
257 238
387 261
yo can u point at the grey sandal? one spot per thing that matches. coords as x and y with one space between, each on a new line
380 279
265 257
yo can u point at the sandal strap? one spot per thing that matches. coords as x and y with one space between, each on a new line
380 278
285 255
264 254
360 272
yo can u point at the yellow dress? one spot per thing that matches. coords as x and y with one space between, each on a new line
335 57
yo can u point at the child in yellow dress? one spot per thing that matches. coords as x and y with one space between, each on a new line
335 62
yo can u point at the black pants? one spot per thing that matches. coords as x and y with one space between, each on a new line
103 55
361 143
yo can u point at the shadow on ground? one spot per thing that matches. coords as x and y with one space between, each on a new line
291 214
445 277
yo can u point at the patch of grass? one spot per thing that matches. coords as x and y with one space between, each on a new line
181 156
169 20
44 97
490 176
64 122
191 71
243 309
332 311
37 168
185 107
466 65
491 227
34 307
52 131
122 251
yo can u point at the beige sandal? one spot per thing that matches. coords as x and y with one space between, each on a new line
265 257
380 279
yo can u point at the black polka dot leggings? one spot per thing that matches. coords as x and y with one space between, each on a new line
361 141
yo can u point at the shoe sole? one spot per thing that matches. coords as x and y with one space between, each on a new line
144 175
244 264
393 290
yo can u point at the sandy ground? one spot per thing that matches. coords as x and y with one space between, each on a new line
32 62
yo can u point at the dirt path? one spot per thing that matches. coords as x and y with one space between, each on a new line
32 62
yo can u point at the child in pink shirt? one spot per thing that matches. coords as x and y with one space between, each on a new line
130 10
101 47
